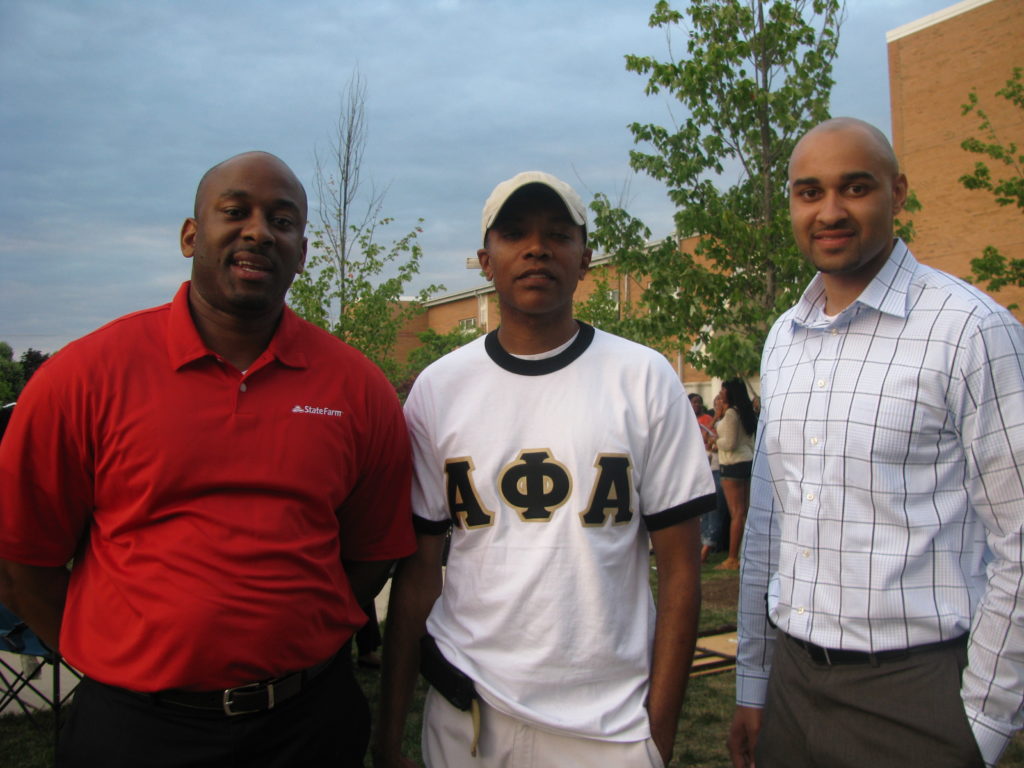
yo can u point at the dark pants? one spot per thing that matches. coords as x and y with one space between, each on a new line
900 713
714 526
368 636
326 724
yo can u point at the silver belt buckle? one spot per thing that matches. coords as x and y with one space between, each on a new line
229 692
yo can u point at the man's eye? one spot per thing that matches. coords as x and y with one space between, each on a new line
282 222
808 194
857 190
233 213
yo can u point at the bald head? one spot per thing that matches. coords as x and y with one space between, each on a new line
241 159
858 130
247 239
845 189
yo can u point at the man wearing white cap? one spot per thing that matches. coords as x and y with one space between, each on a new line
551 450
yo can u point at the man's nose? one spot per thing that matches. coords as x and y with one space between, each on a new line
537 245
832 208
257 228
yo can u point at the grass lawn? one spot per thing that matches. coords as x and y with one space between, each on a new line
702 728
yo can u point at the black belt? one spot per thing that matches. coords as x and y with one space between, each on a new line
834 656
244 699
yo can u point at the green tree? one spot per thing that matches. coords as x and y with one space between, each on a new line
30 361
436 345
992 269
755 77
11 377
603 308
353 285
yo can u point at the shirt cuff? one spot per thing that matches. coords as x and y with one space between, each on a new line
992 736
751 690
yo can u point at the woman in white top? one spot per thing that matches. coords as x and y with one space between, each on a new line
735 422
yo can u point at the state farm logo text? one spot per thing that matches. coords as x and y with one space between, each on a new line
316 411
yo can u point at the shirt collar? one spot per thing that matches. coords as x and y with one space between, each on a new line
184 345
888 292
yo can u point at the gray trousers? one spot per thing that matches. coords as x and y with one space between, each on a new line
900 713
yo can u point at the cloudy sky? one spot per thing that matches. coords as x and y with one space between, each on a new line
110 110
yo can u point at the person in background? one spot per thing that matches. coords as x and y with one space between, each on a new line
232 484
712 523
735 423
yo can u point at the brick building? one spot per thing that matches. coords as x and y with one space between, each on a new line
934 63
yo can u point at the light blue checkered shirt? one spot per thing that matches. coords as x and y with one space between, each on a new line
887 491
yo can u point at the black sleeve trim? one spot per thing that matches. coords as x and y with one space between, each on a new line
430 527
682 513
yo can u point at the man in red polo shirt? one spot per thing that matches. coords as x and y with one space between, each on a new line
231 483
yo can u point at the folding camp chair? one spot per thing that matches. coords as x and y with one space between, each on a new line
22 683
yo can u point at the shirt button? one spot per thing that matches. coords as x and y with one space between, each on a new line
814 441
243 387
835 332
800 611
821 383
806 553
810 497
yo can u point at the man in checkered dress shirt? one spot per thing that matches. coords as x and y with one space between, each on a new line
881 607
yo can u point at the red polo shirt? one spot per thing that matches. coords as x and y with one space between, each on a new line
207 511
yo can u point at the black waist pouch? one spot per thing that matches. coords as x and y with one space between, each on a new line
447 679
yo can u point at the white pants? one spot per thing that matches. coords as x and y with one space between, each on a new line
506 742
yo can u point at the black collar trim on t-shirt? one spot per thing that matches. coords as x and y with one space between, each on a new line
514 364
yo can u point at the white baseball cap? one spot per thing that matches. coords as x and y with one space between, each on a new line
505 190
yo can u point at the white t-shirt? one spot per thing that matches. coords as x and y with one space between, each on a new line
548 467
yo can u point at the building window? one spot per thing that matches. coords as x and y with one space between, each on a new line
467 324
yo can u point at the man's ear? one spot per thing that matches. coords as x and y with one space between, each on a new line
899 193
302 262
485 263
188 238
